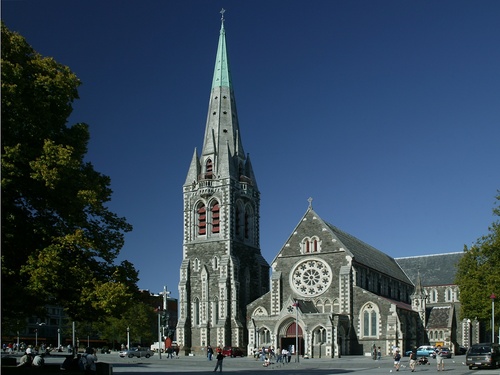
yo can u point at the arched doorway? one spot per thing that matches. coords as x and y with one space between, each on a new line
289 338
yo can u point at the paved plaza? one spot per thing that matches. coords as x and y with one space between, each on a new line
345 365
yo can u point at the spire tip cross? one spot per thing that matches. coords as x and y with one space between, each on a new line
310 200
222 14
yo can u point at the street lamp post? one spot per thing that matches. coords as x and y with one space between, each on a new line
73 340
159 332
296 304
128 338
58 338
36 333
493 317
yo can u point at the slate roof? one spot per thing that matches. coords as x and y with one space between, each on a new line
369 256
307 307
440 317
438 269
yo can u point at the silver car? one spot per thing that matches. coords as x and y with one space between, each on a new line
136 352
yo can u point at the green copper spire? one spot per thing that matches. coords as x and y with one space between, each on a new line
222 75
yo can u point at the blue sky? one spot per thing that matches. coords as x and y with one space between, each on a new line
386 113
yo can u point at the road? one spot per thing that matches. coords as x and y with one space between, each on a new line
242 366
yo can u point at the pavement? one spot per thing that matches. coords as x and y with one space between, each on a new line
242 366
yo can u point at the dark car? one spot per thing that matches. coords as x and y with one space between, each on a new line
445 352
483 355
230 351
462 350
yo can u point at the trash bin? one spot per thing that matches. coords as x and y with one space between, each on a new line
103 368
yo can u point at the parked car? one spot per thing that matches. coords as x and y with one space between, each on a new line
424 351
445 352
136 352
230 351
483 355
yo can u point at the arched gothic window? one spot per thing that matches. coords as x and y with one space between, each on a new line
237 221
320 335
196 311
310 245
215 311
247 225
336 306
328 306
320 306
369 320
248 222
434 296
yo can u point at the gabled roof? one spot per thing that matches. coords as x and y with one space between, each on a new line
369 256
440 317
361 252
438 269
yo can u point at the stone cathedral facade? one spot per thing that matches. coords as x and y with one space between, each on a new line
222 268
328 293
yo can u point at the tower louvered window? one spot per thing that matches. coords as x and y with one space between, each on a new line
202 220
208 169
237 221
215 218
247 225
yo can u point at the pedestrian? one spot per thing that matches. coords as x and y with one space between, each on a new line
439 359
219 358
413 359
397 360
38 361
210 352
169 352
279 357
379 353
91 368
25 360
284 356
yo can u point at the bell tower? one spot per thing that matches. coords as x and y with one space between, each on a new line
419 299
222 268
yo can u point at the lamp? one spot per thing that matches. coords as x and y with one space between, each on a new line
493 317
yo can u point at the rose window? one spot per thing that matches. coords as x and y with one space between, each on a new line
311 277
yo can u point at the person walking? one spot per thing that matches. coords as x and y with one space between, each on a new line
397 360
219 357
439 359
413 359
210 353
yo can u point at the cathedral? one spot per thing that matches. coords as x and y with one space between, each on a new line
325 294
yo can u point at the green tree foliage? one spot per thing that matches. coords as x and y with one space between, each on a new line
59 240
478 274
141 320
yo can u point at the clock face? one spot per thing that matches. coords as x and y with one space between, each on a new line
311 277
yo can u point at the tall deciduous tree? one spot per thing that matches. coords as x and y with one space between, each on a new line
478 274
59 239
